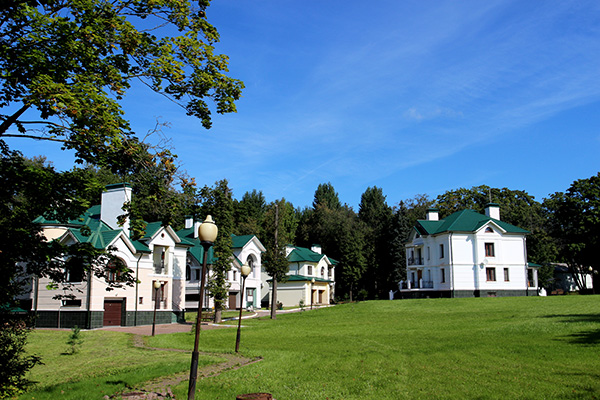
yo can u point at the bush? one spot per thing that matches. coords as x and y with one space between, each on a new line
15 364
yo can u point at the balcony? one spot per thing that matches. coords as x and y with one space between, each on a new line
420 284
415 261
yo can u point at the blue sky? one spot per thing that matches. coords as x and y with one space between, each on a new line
414 97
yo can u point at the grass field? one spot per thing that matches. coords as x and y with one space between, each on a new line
487 348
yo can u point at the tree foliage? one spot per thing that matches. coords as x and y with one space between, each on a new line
218 202
376 214
279 229
574 219
250 213
72 62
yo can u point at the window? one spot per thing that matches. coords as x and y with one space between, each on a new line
71 303
490 274
310 270
489 250
141 300
489 230
428 253
197 274
73 271
234 275
188 272
323 272
443 275
250 295
506 276
441 251
114 269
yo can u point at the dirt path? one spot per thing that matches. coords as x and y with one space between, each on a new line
160 388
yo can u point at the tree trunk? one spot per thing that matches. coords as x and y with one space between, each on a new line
218 312
274 300
274 296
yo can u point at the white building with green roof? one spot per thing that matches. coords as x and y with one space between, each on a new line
310 279
467 254
157 257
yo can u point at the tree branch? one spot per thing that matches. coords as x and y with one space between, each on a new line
12 119
36 138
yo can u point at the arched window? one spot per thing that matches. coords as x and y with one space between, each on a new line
188 272
489 230
323 272
250 261
115 269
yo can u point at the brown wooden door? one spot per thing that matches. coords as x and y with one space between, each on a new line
112 312
232 301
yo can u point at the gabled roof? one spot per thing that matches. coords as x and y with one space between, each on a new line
240 241
100 235
302 278
302 254
463 221
196 249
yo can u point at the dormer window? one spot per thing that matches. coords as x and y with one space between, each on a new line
489 230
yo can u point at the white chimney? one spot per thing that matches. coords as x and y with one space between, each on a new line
189 221
492 210
316 248
196 227
433 214
111 205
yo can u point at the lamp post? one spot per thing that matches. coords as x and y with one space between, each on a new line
207 233
156 287
312 296
245 272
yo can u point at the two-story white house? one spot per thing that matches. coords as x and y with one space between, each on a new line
467 254
159 257
310 278
246 249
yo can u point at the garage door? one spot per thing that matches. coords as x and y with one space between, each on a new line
112 312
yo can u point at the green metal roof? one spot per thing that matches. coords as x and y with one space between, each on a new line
196 249
302 278
240 241
302 254
463 221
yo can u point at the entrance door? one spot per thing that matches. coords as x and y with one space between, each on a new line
321 296
232 301
113 310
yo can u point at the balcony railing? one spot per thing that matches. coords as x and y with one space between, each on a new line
415 261
159 268
427 284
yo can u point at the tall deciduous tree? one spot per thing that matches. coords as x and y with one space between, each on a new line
279 230
575 222
218 202
65 66
72 62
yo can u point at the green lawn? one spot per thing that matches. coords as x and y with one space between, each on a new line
488 348
107 363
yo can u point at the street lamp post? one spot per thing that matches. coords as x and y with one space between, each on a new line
207 233
245 272
312 296
156 288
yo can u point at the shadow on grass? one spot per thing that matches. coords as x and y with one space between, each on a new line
588 337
